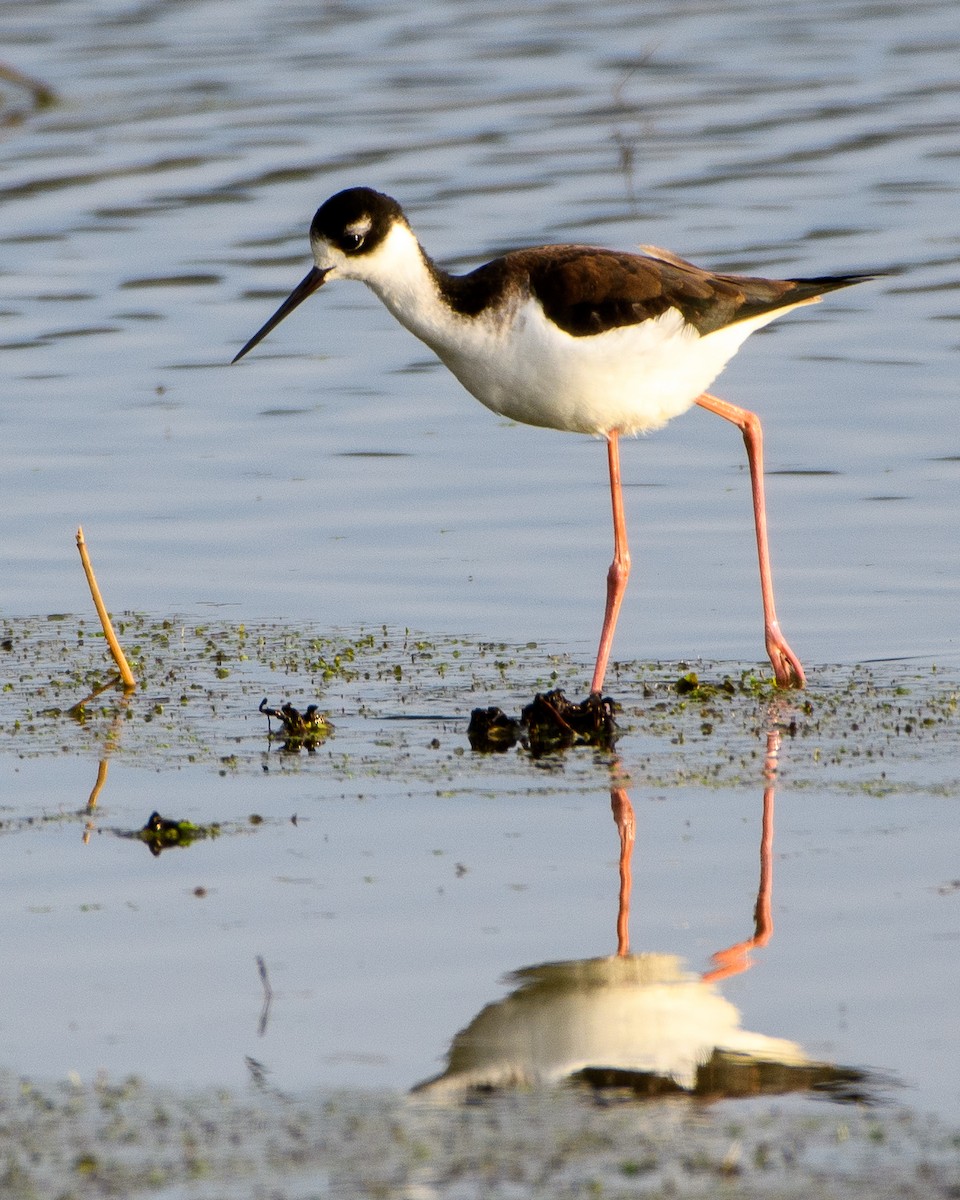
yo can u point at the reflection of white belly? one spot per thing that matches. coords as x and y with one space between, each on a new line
632 379
640 1013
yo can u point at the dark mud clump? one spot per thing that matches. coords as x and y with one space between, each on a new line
548 724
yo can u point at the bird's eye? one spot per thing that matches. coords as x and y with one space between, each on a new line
352 241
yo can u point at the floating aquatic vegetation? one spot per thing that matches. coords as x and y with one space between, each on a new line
300 730
160 834
402 704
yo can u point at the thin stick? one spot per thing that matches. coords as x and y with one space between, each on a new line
267 995
98 786
119 657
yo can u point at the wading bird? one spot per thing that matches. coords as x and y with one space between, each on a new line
576 338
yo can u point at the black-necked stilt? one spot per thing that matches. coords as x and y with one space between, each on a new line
571 337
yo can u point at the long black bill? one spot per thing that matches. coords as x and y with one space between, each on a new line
306 287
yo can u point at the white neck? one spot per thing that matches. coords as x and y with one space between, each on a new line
400 275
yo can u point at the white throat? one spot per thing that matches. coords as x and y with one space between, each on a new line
397 272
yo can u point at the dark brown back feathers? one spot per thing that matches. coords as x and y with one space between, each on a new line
586 291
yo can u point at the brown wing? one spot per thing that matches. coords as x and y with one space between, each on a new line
590 291
586 291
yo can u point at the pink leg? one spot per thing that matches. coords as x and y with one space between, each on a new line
619 569
786 666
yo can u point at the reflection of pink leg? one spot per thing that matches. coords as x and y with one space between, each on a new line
763 912
736 959
627 826
619 568
786 665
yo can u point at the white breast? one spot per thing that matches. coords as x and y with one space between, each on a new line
633 379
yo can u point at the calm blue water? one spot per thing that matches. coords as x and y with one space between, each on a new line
390 913
153 218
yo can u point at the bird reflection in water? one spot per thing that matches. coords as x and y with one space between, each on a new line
639 1022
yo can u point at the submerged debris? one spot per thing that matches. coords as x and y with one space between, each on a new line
40 93
159 834
300 729
549 723
491 730
554 723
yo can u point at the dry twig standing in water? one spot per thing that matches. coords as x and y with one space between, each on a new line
119 657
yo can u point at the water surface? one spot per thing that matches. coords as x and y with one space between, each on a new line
154 216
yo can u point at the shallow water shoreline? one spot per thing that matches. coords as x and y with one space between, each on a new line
79 1140
400 888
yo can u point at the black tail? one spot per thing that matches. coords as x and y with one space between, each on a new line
819 285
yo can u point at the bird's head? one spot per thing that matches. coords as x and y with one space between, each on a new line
356 234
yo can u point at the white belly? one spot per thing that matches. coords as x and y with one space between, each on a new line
633 379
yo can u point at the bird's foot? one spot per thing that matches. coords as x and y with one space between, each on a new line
787 669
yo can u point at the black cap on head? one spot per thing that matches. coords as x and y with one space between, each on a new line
356 220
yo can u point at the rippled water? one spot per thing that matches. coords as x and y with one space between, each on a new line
155 214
